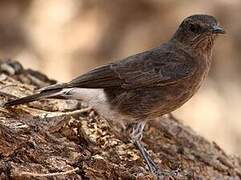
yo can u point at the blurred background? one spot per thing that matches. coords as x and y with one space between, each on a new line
63 38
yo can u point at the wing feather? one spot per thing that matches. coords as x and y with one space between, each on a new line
149 69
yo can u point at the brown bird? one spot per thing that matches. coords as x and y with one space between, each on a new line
147 85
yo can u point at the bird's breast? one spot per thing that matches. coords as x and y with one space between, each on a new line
175 95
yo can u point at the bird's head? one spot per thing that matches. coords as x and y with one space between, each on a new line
198 32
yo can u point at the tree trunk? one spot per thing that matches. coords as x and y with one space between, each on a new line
65 139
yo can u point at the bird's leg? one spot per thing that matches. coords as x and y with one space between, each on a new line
136 136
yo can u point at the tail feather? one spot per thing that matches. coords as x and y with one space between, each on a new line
33 97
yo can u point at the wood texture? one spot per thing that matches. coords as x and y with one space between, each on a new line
60 139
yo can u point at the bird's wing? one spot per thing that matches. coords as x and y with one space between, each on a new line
148 69
100 77
157 68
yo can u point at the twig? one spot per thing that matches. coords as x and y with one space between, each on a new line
49 174
53 114
7 95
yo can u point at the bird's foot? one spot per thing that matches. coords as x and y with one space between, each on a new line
136 136
155 170
152 166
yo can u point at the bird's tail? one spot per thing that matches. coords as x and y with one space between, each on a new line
34 97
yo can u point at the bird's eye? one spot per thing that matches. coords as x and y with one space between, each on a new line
194 28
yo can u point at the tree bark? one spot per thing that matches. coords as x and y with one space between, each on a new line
65 139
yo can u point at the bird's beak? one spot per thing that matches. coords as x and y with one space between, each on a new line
218 30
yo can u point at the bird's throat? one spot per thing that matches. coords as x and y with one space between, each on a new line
203 46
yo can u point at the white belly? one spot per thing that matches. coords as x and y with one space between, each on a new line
97 99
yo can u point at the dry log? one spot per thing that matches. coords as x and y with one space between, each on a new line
65 139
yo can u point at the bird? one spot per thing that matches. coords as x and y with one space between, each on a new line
147 85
